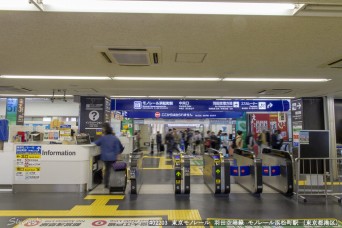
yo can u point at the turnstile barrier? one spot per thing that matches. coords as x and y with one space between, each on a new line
216 173
277 170
136 171
247 171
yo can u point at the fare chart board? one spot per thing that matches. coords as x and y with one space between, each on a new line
28 162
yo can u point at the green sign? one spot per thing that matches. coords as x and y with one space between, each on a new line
11 110
178 174
127 126
218 171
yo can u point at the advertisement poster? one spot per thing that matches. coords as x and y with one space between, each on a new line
127 127
304 137
28 163
11 110
270 122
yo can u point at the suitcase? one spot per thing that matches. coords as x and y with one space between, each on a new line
118 177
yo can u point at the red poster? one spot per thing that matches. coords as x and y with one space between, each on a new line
270 122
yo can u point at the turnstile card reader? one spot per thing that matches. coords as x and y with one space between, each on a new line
181 164
216 173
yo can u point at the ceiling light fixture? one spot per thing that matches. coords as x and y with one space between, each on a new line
16 95
276 79
162 7
58 95
128 96
49 77
164 79
166 96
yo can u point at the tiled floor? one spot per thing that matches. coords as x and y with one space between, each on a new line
156 199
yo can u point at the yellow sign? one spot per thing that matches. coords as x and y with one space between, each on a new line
178 181
29 156
218 181
28 169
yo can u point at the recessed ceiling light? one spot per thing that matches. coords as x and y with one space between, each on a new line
164 79
276 79
163 7
54 77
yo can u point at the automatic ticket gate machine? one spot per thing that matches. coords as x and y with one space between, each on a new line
216 172
277 170
181 165
247 171
136 171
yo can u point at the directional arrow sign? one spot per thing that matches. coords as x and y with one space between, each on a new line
178 174
218 171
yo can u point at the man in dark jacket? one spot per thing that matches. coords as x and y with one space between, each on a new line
159 141
111 147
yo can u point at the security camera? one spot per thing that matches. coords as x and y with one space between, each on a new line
52 99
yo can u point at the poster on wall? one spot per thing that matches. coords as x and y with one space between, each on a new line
11 110
270 122
127 127
28 163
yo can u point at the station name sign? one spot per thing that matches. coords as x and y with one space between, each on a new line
201 105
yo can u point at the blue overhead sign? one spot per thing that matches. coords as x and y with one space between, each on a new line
201 105
179 115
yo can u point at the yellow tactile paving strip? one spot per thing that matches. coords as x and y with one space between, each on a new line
99 208
162 163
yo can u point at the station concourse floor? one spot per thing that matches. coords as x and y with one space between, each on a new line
156 201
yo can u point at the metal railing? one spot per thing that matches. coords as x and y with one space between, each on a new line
318 177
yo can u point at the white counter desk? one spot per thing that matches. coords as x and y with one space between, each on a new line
51 167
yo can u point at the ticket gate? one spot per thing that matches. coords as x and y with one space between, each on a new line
247 170
216 173
277 170
136 171
181 165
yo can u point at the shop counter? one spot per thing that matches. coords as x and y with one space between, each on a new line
54 167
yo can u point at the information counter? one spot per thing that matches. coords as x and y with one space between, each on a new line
52 167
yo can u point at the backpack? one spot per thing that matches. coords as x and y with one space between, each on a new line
234 143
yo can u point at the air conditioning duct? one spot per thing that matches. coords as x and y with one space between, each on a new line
131 56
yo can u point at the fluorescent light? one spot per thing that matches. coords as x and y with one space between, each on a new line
56 95
166 96
276 79
56 77
255 97
16 95
128 96
163 7
204 97
164 79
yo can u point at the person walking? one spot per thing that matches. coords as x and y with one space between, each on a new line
158 141
110 147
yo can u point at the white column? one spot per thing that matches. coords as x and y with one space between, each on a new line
329 116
